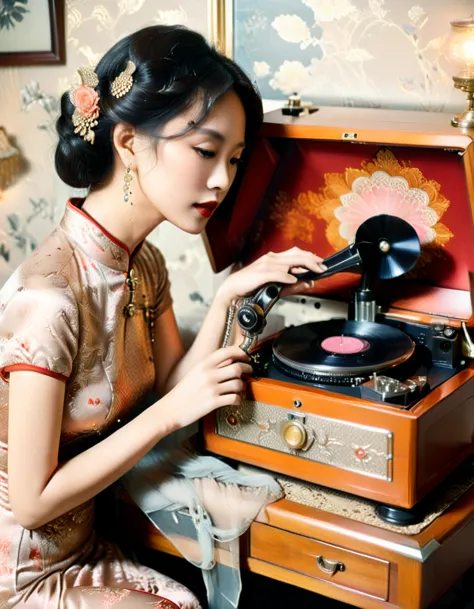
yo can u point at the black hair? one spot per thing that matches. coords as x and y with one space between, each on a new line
175 67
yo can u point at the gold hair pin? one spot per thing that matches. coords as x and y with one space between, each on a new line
86 103
124 81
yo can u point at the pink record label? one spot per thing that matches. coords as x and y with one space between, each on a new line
346 345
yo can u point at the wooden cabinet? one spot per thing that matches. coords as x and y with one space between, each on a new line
381 569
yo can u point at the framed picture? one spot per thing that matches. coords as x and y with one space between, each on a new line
334 52
32 32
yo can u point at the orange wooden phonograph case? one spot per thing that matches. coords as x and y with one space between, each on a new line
311 181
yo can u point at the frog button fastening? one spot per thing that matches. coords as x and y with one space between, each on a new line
131 281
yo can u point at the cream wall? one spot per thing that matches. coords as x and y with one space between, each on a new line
30 208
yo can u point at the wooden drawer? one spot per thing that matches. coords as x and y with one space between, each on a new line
317 559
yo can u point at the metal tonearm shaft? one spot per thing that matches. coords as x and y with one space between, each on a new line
251 316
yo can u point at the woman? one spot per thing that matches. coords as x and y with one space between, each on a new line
87 330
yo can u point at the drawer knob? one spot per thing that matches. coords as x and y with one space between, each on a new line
329 566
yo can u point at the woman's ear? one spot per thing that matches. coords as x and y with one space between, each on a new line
123 137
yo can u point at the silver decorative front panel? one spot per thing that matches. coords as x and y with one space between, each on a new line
349 446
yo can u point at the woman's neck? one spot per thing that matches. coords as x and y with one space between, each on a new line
129 222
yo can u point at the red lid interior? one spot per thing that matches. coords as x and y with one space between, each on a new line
314 194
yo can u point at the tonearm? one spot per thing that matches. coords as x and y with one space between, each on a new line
385 247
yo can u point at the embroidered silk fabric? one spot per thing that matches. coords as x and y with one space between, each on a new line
61 313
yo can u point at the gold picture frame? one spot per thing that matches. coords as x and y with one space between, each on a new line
221 25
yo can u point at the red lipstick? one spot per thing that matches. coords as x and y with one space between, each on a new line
206 209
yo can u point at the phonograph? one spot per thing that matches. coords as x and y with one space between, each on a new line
378 402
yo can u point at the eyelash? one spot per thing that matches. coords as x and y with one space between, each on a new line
207 154
210 154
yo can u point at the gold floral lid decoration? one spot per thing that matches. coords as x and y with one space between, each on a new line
382 185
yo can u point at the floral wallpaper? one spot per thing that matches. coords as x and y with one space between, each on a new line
368 53
29 104
386 53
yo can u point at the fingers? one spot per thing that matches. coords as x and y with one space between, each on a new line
235 386
295 259
234 371
297 288
300 251
226 355
276 275
229 399
281 274
304 263
296 252
279 271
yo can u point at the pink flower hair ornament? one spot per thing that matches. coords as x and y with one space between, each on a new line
86 103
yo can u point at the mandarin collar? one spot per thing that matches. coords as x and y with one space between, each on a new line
94 240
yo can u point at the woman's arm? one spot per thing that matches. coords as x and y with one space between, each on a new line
171 361
269 268
42 489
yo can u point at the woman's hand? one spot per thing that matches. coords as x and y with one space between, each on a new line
271 268
214 382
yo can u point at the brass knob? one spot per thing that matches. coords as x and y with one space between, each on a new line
294 435
294 101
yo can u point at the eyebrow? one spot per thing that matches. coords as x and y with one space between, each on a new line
217 135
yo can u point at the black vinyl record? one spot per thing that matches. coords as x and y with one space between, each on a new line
306 350
397 245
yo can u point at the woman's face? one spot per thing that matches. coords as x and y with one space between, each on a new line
186 178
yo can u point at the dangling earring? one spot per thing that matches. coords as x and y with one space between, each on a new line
127 178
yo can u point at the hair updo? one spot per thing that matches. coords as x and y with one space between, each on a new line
175 67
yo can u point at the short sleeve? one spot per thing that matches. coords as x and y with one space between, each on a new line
156 273
38 326
163 287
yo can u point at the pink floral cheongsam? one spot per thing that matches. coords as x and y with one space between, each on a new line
62 314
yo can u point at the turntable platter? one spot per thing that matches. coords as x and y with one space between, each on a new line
335 351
